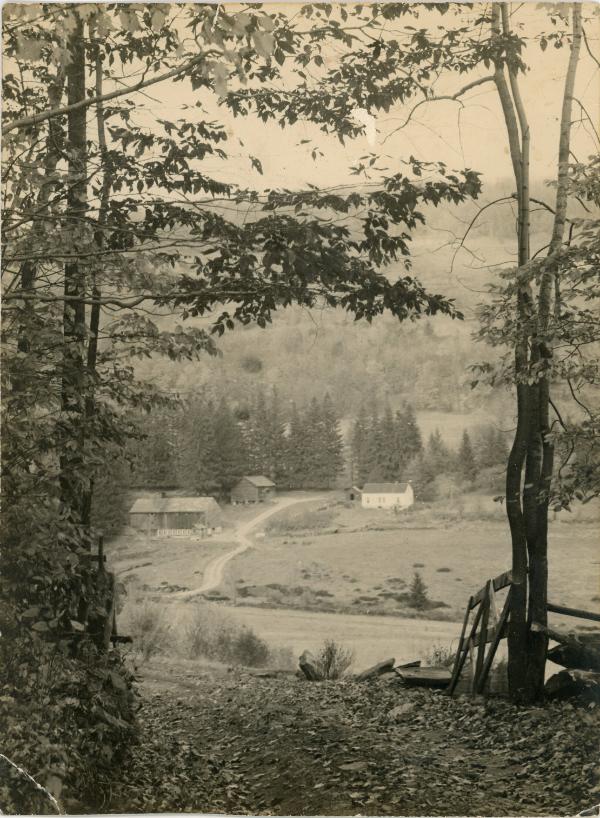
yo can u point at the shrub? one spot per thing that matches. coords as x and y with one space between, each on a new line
301 521
418 597
147 625
333 660
214 635
439 656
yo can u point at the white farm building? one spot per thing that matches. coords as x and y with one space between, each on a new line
387 495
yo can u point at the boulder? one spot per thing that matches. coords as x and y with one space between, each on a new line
584 684
308 666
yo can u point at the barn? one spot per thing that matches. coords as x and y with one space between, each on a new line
253 488
387 495
169 514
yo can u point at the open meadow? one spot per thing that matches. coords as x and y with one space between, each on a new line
339 557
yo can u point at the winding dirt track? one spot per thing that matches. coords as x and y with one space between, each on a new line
214 571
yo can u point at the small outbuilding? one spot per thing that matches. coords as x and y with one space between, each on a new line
387 495
174 514
253 488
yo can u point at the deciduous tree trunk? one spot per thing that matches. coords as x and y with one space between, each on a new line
74 318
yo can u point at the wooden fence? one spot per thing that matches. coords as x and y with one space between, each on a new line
488 627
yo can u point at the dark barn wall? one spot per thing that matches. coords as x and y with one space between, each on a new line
245 492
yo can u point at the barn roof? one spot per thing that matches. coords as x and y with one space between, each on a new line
259 480
156 505
385 488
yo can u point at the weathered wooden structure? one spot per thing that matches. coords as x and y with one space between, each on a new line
253 488
484 625
153 514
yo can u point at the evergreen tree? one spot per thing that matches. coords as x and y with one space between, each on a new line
388 452
196 437
466 463
331 444
227 456
418 592
410 444
294 458
359 447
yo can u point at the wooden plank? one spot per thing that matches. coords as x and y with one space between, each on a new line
483 633
463 655
502 580
562 609
502 627
460 644
426 676
490 635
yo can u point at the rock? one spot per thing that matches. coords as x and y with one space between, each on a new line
584 684
308 666
575 655
396 713
376 670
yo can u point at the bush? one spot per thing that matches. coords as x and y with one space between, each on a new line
303 521
67 720
147 626
333 660
214 635
439 656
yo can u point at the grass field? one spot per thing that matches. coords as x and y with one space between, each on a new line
364 561
162 565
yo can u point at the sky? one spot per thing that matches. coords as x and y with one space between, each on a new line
471 135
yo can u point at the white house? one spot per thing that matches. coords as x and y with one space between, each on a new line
387 495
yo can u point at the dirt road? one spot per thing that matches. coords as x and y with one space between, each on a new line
214 571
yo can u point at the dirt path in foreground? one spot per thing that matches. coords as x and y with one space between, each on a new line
218 741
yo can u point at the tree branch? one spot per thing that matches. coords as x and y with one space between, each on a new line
35 119
452 97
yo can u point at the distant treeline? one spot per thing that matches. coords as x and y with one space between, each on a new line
205 446
389 447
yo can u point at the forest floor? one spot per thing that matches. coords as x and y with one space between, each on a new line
228 741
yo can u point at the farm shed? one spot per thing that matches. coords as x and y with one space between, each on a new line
353 493
387 495
254 488
174 513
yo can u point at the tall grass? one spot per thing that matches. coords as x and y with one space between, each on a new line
148 627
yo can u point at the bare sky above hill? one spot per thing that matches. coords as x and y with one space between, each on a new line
472 134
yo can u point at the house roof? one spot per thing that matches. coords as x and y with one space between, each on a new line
385 488
155 505
259 480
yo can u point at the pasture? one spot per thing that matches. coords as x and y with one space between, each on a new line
360 561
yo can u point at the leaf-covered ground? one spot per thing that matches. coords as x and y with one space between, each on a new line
232 742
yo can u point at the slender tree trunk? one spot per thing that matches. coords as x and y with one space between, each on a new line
538 581
516 505
94 326
74 318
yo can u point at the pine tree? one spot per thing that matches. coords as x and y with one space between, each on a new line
331 444
410 443
418 592
359 446
196 438
227 456
388 451
294 465
466 464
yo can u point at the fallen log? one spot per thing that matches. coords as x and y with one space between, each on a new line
583 684
376 670
425 676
